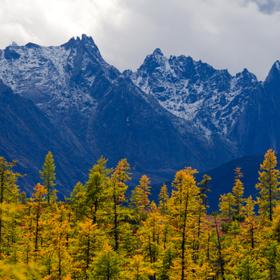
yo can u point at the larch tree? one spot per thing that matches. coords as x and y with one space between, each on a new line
96 186
250 224
150 235
220 257
237 192
138 269
276 223
26 235
117 189
249 269
204 189
163 199
268 185
78 200
8 193
185 203
48 175
167 262
272 254
226 205
87 242
56 253
37 203
107 265
140 196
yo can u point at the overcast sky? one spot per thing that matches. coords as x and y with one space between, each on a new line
229 34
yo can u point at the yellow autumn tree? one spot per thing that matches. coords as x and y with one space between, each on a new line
140 197
185 201
268 185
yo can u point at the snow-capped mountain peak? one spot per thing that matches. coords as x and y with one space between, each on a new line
277 65
62 78
172 112
157 53
56 78
273 77
195 91
84 43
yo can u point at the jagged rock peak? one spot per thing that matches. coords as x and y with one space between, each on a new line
84 40
275 69
277 65
274 73
247 76
14 44
158 52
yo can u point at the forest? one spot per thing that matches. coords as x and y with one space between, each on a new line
102 231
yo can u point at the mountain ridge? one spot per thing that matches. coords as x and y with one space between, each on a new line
170 113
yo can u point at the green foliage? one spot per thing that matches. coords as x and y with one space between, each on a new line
19 271
48 176
106 265
96 187
249 269
167 260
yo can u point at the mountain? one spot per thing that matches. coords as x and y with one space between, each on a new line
211 99
170 113
96 110
217 104
27 134
238 112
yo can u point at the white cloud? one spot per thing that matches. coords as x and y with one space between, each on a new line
225 33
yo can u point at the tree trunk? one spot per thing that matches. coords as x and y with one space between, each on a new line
183 243
252 237
88 252
37 230
1 202
270 203
116 229
221 260
94 213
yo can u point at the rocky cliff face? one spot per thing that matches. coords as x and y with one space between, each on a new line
212 100
238 110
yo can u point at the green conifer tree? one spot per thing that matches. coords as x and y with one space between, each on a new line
96 186
237 192
48 176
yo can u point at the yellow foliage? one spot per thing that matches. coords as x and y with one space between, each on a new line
101 234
